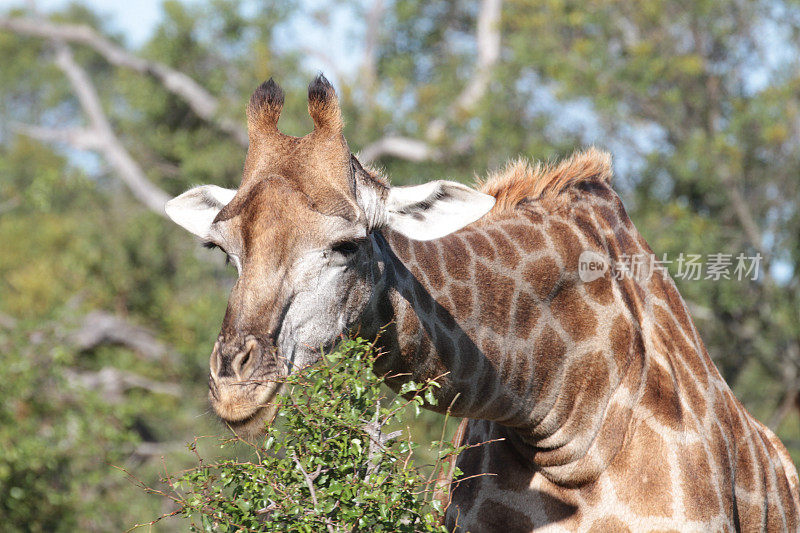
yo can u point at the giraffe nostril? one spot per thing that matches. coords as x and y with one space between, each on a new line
244 362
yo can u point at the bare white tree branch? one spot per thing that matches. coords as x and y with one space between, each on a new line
377 440
206 105
116 154
369 68
99 327
112 383
400 147
488 36
488 43
99 136
488 47
203 103
80 138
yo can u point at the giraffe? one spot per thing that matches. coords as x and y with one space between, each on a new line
603 408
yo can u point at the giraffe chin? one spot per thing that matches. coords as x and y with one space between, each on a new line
249 421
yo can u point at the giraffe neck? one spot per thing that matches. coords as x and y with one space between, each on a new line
498 314
609 409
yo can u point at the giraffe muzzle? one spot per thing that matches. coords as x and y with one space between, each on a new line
244 379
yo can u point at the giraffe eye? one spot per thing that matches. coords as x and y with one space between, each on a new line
229 258
346 248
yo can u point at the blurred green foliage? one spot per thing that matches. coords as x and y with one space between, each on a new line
698 102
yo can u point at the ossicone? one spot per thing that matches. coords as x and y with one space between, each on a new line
264 108
323 106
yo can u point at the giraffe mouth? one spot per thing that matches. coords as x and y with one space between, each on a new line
247 415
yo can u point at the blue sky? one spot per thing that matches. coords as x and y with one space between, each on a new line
137 19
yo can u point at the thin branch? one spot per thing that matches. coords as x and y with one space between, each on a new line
80 138
310 484
746 219
444 474
369 65
99 136
488 44
113 383
270 507
149 449
488 38
399 147
99 328
712 116
377 441
791 398
790 401
203 103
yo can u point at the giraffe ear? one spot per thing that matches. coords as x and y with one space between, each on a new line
196 209
435 209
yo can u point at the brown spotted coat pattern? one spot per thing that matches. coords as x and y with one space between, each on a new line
606 412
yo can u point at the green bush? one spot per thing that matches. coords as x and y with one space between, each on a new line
329 461
58 440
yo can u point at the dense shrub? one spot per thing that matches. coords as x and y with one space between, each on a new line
329 461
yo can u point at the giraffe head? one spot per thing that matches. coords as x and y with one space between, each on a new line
299 231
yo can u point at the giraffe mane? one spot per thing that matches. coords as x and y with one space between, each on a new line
523 180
